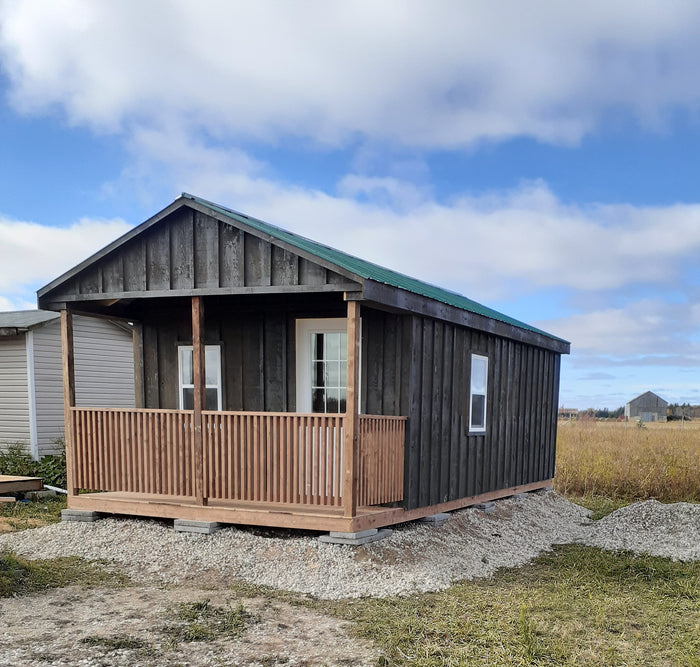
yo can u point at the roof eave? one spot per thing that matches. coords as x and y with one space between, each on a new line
402 300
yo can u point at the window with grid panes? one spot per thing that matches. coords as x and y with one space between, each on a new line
328 371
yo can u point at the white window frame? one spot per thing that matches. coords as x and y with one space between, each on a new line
479 428
304 354
208 349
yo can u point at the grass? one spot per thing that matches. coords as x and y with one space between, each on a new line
597 460
21 576
34 514
600 506
575 606
116 642
202 621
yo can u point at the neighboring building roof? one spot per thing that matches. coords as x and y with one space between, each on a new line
648 393
368 270
17 321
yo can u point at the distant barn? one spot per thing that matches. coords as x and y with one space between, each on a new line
648 407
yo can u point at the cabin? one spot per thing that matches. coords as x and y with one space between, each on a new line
281 382
647 407
31 377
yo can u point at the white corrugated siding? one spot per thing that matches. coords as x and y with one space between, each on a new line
48 387
104 373
14 391
104 364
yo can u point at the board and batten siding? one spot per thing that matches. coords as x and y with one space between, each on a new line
411 366
420 368
104 373
189 251
14 391
258 350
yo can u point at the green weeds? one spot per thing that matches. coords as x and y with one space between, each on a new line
202 621
14 460
116 643
20 576
574 606
20 516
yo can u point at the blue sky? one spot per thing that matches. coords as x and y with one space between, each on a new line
546 165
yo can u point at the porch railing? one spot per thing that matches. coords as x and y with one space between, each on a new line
261 457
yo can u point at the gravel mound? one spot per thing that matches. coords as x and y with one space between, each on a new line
416 557
672 531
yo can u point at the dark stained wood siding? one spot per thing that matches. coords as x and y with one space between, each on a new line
420 367
189 250
257 341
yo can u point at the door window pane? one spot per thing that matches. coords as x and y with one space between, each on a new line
329 371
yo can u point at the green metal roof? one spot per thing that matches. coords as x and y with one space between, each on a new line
368 270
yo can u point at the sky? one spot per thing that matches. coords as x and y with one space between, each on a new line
541 158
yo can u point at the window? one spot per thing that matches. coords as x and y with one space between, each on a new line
322 346
477 394
212 364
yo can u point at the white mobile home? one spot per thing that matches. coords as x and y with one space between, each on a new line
31 380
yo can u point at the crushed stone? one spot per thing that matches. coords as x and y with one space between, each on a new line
658 529
415 558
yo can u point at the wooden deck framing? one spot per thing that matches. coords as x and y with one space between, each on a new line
281 515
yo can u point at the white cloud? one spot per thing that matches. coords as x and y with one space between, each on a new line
496 246
32 255
643 332
442 73
16 303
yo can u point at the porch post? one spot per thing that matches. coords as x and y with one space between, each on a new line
351 421
137 340
199 380
68 366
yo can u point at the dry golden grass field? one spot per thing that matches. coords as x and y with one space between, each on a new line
624 461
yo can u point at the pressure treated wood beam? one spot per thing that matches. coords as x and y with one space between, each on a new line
68 366
139 386
199 378
351 422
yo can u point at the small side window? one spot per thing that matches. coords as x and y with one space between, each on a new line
477 394
212 364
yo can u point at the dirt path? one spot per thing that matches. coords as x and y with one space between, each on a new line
129 626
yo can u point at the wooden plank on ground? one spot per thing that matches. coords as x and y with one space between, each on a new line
15 484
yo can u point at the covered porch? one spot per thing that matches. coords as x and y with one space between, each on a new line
319 471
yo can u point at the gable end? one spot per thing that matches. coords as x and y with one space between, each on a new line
190 252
